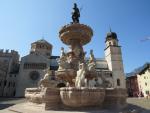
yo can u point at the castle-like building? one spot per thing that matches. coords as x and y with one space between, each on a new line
31 68
9 67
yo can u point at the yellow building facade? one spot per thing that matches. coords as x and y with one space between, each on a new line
143 78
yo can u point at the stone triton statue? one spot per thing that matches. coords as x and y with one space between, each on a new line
80 80
75 14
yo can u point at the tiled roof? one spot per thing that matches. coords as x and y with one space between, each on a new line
139 70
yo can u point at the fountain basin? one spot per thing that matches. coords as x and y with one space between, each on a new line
80 32
82 97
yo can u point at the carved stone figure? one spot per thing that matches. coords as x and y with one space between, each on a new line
62 61
91 64
80 78
92 58
75 14
47 81
62 52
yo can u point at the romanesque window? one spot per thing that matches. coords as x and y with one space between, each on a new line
14 84
118 82
5 82
14 93
9 84
35 65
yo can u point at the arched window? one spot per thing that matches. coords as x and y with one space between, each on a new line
5 82
14 93
118 82
14 84
9 84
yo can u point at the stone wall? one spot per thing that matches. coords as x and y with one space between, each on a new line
9 63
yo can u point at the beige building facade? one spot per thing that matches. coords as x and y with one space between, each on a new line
138 81
143 78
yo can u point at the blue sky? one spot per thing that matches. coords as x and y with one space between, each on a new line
25 21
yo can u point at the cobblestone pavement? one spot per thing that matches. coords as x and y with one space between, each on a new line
141 102
7 102
19 105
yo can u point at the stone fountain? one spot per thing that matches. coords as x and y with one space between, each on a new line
76 72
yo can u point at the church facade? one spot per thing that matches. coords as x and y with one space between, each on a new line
32 66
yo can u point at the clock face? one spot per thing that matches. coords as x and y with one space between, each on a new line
34 75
